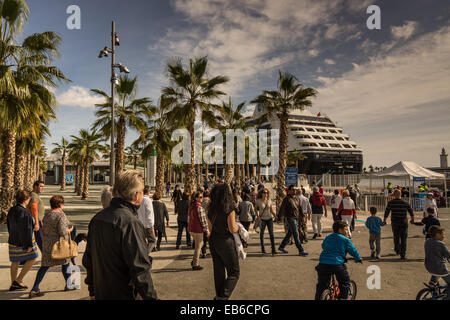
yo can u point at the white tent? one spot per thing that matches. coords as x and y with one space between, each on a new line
405 169
410 170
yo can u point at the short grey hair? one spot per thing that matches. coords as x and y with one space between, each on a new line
106 197
128 184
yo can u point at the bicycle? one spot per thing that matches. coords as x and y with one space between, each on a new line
333 292
432 292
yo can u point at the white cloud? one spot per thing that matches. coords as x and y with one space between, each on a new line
249 40
405 31
77 96
329 61
394 93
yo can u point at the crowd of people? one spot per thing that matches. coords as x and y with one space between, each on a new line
132 224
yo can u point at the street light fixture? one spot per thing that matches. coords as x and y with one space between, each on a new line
114 81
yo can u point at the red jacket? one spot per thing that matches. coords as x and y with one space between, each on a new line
347 207
194 224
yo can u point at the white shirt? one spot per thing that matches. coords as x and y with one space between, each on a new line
304 203
145 213
337 202
430 203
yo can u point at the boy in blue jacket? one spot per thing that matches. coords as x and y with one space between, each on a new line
374 224
335 248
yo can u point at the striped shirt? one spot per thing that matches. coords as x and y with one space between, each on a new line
399 208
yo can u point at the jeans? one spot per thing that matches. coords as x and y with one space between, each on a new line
293 231
183 225
335 215
269 224
38 236
198 239
225 257
41 273
375 241
400 232
317 223
324 272
159 234
73 235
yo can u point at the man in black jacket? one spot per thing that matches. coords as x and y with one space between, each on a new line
399 222
290 210
116 257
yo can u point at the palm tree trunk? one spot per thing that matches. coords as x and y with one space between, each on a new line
159 179
8 165
63 178
27 181
20 167
85 189
78 178
280 176
120 149
81 176
216 173
135 163
190 184
228 173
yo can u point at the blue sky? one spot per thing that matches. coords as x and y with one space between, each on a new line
388 88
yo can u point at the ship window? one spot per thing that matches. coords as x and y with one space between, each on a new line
317 137
324 145
333 131
334 145
339 138
328 138
347 146
310 129
347 139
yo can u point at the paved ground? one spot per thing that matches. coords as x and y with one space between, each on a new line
286 276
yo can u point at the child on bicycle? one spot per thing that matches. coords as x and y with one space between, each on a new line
335 248
374 224
429 221
436 254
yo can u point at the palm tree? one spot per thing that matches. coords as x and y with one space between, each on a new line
62 149
290 95
132 154
294 157
130 112
156 140
89 146
231 118
193 90
25 78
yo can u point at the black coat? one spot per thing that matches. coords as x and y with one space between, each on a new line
116 257
160 211
20 227
183 207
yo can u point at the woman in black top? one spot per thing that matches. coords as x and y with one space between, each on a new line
160 211
182 219
22 245
221 220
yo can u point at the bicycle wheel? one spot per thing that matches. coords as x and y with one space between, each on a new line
353 290
425 294
327 294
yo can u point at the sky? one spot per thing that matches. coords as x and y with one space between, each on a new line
388 88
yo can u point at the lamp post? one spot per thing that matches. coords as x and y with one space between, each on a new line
114 80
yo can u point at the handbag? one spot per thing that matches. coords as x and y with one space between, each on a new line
64 249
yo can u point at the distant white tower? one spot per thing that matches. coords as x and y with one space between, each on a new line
444 161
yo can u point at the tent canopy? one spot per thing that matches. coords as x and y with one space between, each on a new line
410 169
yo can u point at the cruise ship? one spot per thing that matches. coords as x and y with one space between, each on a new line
327 148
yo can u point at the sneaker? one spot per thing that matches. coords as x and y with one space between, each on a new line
314 236
195 268
66 288
35 294
177 247
372 255
303 254
282 250
403 257
263 250
274 253
377 257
